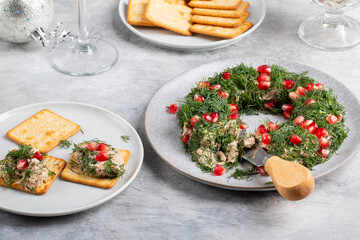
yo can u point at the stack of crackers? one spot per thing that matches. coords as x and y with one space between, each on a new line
219 18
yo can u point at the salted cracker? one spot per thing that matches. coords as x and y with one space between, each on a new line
54 164
73 174
136 13
220 21
222 13
170 15
44 130
221 32
216 4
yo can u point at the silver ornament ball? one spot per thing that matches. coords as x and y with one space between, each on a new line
19 18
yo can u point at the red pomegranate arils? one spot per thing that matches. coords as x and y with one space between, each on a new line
295 139
263 85
324 152
301 91
226 75
272 126
293 95
263 77
261 130
269 105
312 128
214 117
219 170
194 119
287 107
234 116
286 115
298 120
266 138
262 171
288 83
173 108
332 119
321 132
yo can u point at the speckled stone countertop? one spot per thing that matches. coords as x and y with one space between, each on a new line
161 203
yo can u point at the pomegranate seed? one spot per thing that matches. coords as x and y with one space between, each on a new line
263 77
310 87
262 171
92 146
272 126
173 108
189 130
299 120
339 118
293 95
219 170
214 117
324 142
233 107
287 107
37 155
269 105
215 87
243 126
22 164
198 97
194 119
295 139
306 123
204 84
319 86
312 128
207 117
263 85
261 130
102 156
226 75
186 138
324 152
103 147
223 94
309 101
301 91
321 132
286 115
288 83
332 119
264 69
233 116
266 139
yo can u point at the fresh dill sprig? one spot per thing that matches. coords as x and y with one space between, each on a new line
65 144
125 138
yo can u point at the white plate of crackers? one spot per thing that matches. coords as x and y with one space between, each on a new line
196 25
44 125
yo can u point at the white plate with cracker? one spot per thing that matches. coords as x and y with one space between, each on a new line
165 38
66 197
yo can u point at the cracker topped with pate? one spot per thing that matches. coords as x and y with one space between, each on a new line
28 170
95 163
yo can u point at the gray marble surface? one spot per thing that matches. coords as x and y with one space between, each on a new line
161 203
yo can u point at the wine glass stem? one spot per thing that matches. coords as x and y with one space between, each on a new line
83 38
333 18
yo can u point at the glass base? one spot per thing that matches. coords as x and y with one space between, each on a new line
74 59
338 36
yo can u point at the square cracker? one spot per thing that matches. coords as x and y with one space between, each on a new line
216 4
170 15
222 13
221 32
220 21
44 130
136 13
54 164
74 174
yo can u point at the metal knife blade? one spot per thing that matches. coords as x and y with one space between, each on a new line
256 155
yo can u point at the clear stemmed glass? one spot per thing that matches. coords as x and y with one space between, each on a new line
331 30
84 55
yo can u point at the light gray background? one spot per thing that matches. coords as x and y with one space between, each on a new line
161 203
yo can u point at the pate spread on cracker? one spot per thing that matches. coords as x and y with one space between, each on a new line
96 163
28 170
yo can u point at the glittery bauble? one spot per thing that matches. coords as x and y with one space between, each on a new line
19 18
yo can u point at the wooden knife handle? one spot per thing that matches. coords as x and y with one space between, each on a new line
292 180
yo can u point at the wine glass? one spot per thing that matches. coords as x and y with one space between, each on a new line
331 30
85 55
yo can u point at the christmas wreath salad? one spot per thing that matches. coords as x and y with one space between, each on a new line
215 136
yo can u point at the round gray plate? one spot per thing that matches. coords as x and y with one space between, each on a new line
163 131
